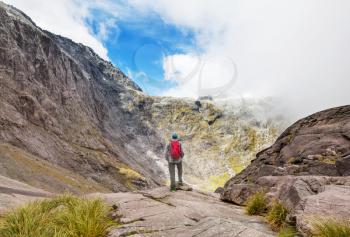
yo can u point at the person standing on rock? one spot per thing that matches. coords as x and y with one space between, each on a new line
174 155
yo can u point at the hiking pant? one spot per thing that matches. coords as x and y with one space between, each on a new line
172 173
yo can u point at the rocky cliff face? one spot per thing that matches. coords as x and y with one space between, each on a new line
70 120
63 122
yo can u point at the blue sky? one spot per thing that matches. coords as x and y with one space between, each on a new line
297 51
138 47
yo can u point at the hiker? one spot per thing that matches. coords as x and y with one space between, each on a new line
174 156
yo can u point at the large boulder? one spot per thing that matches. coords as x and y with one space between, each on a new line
306 197
315 145
288 189
239 193
333 203
291 190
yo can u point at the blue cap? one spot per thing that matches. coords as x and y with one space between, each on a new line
174 136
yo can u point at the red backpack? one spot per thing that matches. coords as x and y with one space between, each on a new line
175 150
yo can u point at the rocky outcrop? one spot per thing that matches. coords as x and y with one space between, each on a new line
333 203
63 119
316 145
343 166
159 212
308 198
306 169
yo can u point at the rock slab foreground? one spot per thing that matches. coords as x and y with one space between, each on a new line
159 212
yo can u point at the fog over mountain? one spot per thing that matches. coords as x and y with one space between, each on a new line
294 51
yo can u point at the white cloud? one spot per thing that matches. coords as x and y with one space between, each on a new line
297 50
66 18
196 74
104 28
181 67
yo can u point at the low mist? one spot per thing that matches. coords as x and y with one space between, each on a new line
297 52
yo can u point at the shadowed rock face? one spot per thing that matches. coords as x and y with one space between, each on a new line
63 122
316 145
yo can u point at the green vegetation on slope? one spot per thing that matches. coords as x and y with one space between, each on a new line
331 228
217 181
287 231
14 159
63 216
219 142
276 215
257 204
275 212
43 174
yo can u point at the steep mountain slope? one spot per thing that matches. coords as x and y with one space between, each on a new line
70 120
62 120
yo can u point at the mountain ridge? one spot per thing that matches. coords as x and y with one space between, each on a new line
64 108
58 93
